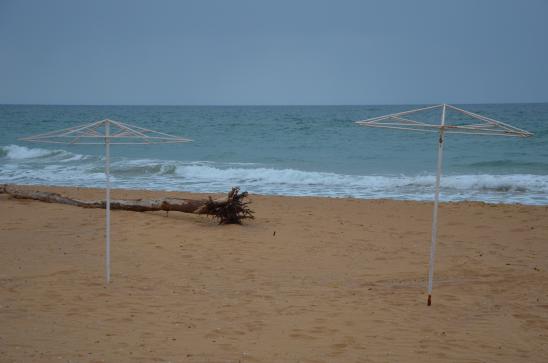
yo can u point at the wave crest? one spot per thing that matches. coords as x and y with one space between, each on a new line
17 152
41 166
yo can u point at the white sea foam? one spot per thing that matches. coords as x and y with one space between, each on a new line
18 152
41 166
481 182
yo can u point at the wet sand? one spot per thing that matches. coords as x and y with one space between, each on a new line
309 280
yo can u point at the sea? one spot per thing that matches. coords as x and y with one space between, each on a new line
285 150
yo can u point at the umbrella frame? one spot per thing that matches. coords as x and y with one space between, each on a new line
487 126
90 134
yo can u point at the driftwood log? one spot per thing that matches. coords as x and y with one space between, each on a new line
229 210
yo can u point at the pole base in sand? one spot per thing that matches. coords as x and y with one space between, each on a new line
429 300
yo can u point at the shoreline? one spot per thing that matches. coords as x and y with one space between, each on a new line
311 279
61 188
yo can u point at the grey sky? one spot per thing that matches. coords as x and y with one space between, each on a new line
273 52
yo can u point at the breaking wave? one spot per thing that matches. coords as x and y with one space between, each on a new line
21 153
23 165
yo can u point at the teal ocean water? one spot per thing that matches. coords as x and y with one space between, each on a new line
284 150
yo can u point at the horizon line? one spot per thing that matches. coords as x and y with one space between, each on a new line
269 105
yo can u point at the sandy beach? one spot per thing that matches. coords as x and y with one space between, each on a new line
309 280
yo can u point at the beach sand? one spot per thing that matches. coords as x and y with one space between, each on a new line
309 280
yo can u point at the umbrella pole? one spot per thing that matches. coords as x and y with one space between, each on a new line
107 223
435 212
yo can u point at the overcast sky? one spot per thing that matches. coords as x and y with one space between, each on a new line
273 52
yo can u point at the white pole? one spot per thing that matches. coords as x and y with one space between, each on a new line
107 227
435 212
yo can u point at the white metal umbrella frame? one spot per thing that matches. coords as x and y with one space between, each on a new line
107 132
484 126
